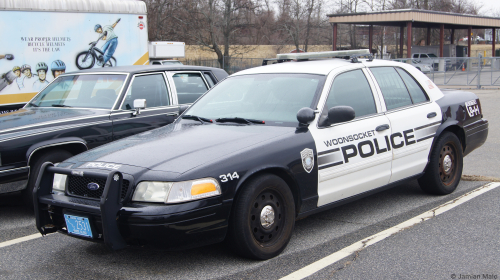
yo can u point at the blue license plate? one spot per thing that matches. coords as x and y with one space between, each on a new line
78 225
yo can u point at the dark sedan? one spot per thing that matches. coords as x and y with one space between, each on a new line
82 110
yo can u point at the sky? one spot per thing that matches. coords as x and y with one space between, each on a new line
490 7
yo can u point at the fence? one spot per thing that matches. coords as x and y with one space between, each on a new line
460 71
231 64
445 71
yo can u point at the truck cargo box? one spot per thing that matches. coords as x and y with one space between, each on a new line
50 37
163 50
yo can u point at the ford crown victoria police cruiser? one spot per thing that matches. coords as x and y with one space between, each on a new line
265 147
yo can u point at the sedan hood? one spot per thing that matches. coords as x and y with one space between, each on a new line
180 147
32 118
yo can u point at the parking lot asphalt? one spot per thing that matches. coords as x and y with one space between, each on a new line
463 241
459 243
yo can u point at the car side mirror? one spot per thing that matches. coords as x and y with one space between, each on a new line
182 108
340 114
305 116
138 105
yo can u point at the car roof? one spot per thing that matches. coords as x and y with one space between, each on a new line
134 69
320 66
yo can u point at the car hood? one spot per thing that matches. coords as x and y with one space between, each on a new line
180 147
29 119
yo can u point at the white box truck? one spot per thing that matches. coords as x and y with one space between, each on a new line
41 39
163 52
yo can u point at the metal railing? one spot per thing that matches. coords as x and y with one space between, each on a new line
444 71
230 64
460 71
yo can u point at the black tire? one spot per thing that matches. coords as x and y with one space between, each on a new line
53 156
248 235
444 170
88 64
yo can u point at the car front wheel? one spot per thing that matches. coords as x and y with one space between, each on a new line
444 170
54 156
263 218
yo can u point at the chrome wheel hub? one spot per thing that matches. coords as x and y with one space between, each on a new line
267 217
447 163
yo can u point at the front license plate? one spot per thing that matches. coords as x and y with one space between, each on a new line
78 225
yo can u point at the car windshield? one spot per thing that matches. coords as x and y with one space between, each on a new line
272 98
83 91
431 55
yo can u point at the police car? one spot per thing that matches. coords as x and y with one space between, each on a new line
263 148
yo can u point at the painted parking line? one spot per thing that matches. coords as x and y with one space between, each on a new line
362 244
20 239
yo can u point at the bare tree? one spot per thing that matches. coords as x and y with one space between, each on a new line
214 24
160 21
296 21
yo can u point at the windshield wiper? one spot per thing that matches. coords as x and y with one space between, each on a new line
60 105
240 120
34 105
201 119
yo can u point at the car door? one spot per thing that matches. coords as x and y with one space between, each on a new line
413 117
159 111
188 85
353 156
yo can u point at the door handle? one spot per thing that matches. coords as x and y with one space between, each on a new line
431 115
382 127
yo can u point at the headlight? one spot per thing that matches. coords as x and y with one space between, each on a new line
151 191
59 183
175 192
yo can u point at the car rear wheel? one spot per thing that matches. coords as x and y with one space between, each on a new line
263 218
54 156
444 170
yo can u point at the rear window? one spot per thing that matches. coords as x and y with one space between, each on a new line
190 86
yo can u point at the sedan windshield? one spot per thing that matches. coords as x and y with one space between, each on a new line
272 98
82 91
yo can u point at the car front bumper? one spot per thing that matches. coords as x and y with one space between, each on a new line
119 224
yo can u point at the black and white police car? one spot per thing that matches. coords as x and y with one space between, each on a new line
265 147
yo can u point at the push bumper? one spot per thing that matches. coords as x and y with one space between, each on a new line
184 225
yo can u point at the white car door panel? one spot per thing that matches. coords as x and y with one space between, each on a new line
356 166
353 157
414 120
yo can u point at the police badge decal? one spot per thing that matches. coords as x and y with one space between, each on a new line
307 159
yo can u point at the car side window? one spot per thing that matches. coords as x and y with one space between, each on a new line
415 56
210 80
416 92
156 63
351 89
393 88
150 87
189 87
